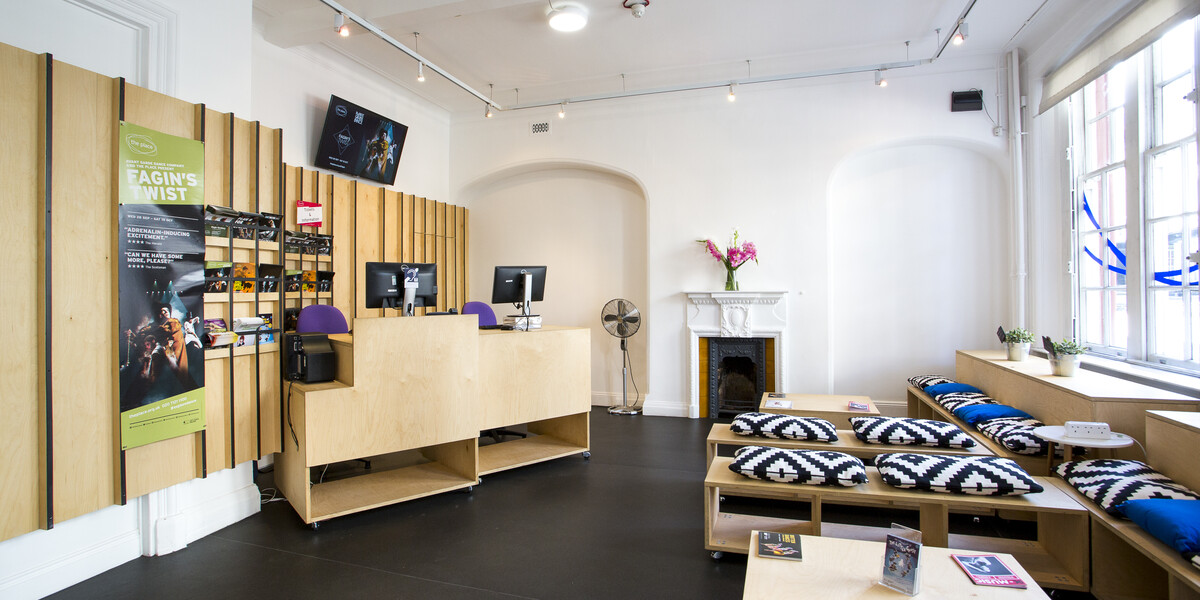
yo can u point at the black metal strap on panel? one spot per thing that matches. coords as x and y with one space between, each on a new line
121 117
204 432
231 386
47 183
281 199
257 291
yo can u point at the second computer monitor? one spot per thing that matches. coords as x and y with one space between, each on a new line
385 285
508 285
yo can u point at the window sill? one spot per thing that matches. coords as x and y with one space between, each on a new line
1188 385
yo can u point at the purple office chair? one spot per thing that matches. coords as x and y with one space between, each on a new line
321 318
486 316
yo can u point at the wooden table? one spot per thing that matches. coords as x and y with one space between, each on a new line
830 407
1057 434
839 568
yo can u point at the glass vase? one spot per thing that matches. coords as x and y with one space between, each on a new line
731 284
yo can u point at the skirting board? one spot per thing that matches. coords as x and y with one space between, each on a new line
44 562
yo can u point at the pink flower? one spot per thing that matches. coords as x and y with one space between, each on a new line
736 255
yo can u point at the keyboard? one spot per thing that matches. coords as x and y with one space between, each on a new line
496 326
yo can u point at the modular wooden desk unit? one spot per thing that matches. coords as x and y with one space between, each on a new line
832 408
1088 396
427 386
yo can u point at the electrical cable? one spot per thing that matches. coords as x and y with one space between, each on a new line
637 397
291 427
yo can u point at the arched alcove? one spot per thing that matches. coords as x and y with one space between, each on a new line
920 261
587 224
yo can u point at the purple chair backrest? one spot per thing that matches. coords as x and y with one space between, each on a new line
486 316
321 318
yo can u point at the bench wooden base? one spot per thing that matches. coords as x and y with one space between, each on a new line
1058 558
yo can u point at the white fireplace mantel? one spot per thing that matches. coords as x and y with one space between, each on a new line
734 314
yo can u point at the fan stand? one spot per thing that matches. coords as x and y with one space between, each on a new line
625 408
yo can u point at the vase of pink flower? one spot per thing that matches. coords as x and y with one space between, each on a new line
733 257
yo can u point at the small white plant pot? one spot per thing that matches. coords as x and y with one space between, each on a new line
1066 365
1017 350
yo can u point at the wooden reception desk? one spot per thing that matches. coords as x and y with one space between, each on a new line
426 386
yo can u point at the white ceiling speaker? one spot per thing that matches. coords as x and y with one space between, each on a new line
568 18
638 7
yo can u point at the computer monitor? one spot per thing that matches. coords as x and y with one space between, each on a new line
519 285
387 287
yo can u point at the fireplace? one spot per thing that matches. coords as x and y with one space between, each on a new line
741 316
737 375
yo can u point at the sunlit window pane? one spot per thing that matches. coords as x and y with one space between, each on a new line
1178 115
1175 52
1092 310
1091 269
1165 249
1116 257
1166 192
1169 325
1119 337
1194 308
1114 184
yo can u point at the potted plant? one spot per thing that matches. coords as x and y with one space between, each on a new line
1018 341
1065 359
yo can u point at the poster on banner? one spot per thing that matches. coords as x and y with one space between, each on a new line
160 273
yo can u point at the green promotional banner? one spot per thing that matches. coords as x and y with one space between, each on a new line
160 275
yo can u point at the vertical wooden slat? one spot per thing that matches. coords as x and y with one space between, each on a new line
439 242
407 228
452 298
465 244
368 240
460 254
22 340
216 370
342 223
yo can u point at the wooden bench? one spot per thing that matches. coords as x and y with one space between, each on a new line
1058 558
1127 562
722 435
923 406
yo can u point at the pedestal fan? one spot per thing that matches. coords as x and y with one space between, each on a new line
622 319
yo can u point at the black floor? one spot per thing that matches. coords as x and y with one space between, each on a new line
628 523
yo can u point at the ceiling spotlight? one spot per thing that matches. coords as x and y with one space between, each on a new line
417 48
637 6
340 26
568 18
562 110
421 71
488 113
879 80
732 96
960 36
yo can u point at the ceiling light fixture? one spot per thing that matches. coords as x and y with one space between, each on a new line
340 26
879 79
568 18
488 112
732 96
562 110
960 36
638 7
421 63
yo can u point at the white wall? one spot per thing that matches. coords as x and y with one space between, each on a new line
589 228
766 164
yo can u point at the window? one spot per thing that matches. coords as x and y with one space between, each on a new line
1137 294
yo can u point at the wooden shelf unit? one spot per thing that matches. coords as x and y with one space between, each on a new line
1057 558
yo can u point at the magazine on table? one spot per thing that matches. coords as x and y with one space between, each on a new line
779 545
988 569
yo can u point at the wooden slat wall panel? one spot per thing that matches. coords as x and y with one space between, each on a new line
460 254
22 343
406 230
216 371
451 297
166 463
341 209
245 410
368 240
83 240
444 291
216 403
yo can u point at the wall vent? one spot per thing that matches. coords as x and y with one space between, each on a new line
539 128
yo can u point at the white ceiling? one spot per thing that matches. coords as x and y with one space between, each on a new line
677 43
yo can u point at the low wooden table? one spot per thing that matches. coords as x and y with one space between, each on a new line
1057 434
838 568
834 408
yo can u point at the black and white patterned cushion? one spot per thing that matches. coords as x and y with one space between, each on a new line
924 381
1015 434
975 475
954 400
1112 482
787 427
814 467
910 432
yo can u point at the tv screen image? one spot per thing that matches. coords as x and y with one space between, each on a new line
360 142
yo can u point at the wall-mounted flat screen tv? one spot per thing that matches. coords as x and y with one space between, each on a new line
359 142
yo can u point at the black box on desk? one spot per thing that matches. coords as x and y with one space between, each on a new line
310 358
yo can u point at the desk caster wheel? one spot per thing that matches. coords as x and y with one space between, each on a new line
717 555
468 489
587 455
315 525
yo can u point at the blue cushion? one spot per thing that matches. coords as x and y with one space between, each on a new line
1175 522
946 388
977 413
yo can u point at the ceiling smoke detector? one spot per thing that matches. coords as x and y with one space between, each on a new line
637 6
